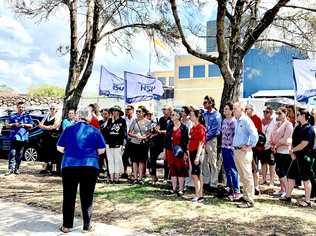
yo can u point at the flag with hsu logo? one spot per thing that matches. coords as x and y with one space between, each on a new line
111 85
141 88
305 78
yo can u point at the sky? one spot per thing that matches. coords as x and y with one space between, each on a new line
28 53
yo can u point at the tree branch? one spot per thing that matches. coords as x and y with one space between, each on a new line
183 39
264 23
286 43
302 8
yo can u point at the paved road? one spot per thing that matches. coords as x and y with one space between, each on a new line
21 220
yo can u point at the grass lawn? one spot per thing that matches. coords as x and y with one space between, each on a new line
153 210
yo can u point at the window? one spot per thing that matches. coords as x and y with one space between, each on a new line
199 71
171 81
184 72
163 80
213 71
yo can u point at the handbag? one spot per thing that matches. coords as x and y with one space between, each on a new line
177 151
144 142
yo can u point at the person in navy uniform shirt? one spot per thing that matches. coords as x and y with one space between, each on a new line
81 144
19 123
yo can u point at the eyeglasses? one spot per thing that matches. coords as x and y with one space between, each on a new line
163 109
52 108
266 112
205 102
138 111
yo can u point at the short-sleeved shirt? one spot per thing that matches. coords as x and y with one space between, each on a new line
115 132
228 132
81 142
303 133
20 133
66 123
141 128
257 121
197 135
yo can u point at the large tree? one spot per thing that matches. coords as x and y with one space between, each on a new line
240 25
114 22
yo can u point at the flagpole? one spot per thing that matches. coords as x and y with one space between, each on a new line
149 59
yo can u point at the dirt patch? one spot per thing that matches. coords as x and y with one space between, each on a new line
153 210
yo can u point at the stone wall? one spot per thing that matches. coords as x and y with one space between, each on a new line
10 101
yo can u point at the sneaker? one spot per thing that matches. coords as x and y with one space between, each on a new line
17 172
237 197
286 199
277 194
200 199
180 193
246 205
10 172
195 199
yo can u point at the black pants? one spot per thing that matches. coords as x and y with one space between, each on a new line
152 163
126 156
86 178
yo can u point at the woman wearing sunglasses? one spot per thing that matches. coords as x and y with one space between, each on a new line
139 133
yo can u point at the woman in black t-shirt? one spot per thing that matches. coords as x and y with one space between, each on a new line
115 134
302 159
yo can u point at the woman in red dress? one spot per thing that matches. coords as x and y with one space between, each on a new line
177 139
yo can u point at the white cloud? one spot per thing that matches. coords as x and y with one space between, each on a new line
15 29
252 72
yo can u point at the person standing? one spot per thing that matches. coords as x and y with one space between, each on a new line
177 138
50 126
228 132
139 132
93 116
196 152
161 128
245 139
115 134
302 158
70 120
213 126
129 118
281 140
81 145
267 158
258 149
19 124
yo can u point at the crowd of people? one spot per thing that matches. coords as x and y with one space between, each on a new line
197 146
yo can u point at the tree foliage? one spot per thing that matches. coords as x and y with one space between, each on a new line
46 90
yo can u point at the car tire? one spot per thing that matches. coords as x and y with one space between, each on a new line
30 154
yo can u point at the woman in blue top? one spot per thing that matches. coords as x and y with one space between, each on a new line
81 144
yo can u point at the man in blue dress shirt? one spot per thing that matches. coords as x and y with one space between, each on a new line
246 137
19 123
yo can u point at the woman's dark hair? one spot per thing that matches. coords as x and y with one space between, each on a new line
186 110
230 105
95 108
200 116
178 112
144 109
283 110
305 113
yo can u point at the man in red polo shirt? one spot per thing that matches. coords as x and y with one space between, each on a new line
256 151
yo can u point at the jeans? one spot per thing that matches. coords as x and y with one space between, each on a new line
230 169
16 155
86 177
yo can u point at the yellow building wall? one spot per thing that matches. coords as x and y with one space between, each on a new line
192 91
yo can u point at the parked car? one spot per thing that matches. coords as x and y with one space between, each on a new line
33 148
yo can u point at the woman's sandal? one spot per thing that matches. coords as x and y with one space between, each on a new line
90 229
64 229
305 204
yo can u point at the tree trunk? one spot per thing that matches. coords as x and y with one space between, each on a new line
231 92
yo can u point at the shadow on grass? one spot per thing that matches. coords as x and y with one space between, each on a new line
268 225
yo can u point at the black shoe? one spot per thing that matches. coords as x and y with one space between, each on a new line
17 172
246 205
10 172
257 191
286 199
124 176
